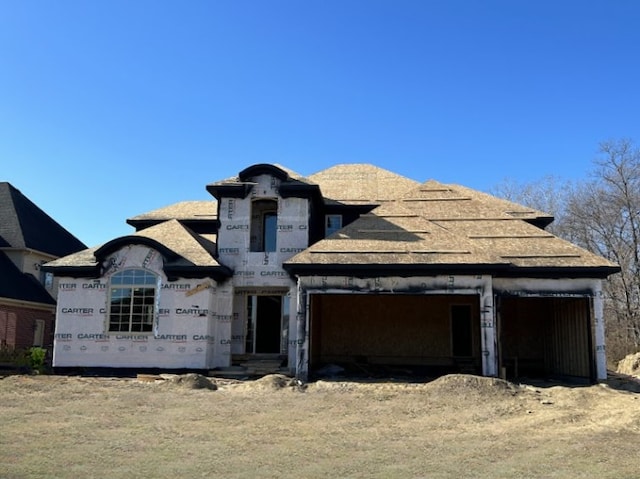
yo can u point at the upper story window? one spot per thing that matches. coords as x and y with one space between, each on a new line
132 298
48 280
264 225
332 223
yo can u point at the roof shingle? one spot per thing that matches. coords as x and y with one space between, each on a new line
15 284
25 225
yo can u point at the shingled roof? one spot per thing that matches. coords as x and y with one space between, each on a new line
413 228
183 210
358 183
200 215
438 227
447 201
185 253
14 284
24 225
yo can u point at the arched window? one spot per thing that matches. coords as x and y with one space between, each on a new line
132 299
264 225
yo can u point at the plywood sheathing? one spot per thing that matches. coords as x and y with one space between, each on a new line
475 202
436 223
496 226
393 235
184 210
408 329
361 184
171 234
81 258
181 241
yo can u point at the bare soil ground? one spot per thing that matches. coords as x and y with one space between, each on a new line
457 426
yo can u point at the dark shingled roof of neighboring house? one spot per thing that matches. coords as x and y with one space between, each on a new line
14 284
24 225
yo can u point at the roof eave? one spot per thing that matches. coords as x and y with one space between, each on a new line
263 169
383 270
115 244
496 270
86 271
218 273
556 272
296 189
236 190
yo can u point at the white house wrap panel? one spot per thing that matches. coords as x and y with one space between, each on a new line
183 327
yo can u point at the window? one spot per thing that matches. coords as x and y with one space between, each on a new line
38 332
264 225
132 301
48 280
332 223
269 229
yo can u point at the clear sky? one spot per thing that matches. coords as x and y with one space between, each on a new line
112 108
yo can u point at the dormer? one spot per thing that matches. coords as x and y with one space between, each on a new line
265 216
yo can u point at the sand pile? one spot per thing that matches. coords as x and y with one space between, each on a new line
630 365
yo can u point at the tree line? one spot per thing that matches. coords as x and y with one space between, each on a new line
601 214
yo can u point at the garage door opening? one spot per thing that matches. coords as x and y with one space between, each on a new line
395 334
546 338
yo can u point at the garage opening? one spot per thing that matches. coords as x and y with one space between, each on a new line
395 333
545 337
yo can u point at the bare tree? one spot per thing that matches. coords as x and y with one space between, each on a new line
603 216
549 194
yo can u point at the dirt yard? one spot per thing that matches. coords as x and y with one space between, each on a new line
185 427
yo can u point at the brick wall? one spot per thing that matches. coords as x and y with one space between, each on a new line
17 326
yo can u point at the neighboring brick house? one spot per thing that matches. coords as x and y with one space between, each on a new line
353 265
28 239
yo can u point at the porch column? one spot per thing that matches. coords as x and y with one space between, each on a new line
302 336
598 333
223 308
488 330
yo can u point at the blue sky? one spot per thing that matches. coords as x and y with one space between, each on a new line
109 109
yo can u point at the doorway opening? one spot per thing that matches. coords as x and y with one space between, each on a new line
265 325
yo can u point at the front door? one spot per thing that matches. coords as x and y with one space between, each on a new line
264 324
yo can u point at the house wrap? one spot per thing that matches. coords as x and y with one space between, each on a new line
354 265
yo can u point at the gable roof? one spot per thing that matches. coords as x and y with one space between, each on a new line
360 183
185 253
25 225
438 227
15 284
